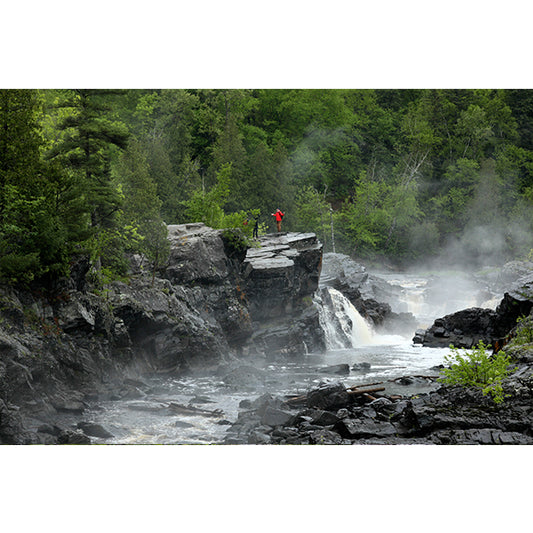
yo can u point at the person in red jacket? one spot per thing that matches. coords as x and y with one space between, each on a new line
278 215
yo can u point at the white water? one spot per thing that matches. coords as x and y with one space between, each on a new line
350 340
343 326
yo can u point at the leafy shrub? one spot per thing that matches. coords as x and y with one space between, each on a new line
524 331
236 243
477 368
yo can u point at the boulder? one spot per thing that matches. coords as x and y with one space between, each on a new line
245 376
73 437
275 417
328 396
94 430
342 369
463 329
196 255
356 428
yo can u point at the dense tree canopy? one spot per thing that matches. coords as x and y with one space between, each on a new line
397 174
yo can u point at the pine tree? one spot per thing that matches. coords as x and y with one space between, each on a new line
87 148
142 207
33 232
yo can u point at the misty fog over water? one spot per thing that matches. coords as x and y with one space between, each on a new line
372 357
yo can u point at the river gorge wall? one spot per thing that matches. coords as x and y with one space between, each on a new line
213 302
216 303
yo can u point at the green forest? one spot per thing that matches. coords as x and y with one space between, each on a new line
402 176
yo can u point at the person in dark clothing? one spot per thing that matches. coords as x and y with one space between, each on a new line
255 234
278 215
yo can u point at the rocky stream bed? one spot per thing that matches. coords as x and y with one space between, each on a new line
217 305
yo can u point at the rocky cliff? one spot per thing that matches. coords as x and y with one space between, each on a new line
280 278
214 301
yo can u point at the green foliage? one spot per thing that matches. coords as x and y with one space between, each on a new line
524 331
235 242
90 135
313 213
476 368
143 229
396 173
208 207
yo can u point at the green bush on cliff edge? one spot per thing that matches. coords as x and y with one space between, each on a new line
477 368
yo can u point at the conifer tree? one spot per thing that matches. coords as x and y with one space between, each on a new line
141 211
33 234
87 148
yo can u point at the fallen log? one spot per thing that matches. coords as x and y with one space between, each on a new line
369 397
354 387
355 391
193 411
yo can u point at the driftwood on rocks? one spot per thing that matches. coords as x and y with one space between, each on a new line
355 390
358 391
193 411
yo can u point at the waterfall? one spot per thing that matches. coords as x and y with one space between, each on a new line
343 326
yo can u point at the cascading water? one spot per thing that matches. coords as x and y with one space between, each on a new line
343 326
371 356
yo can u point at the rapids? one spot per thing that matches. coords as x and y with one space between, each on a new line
371 356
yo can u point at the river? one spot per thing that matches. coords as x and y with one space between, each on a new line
152 418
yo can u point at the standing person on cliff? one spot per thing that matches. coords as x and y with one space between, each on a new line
255 234
278 215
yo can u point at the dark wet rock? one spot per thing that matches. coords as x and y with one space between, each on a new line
200 400
275 417
342 369
69 405
446 415
361 367
94 430
279 281
11 429
328 396
480 436
324 436
463 329
49 429
364 428
182 424
73 437
323 418
256 437
245 376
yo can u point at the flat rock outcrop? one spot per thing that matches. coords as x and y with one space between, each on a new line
279 278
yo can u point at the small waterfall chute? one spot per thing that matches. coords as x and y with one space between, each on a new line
343 326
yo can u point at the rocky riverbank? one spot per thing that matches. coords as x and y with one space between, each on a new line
61 354
336 414
218 304
467 327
